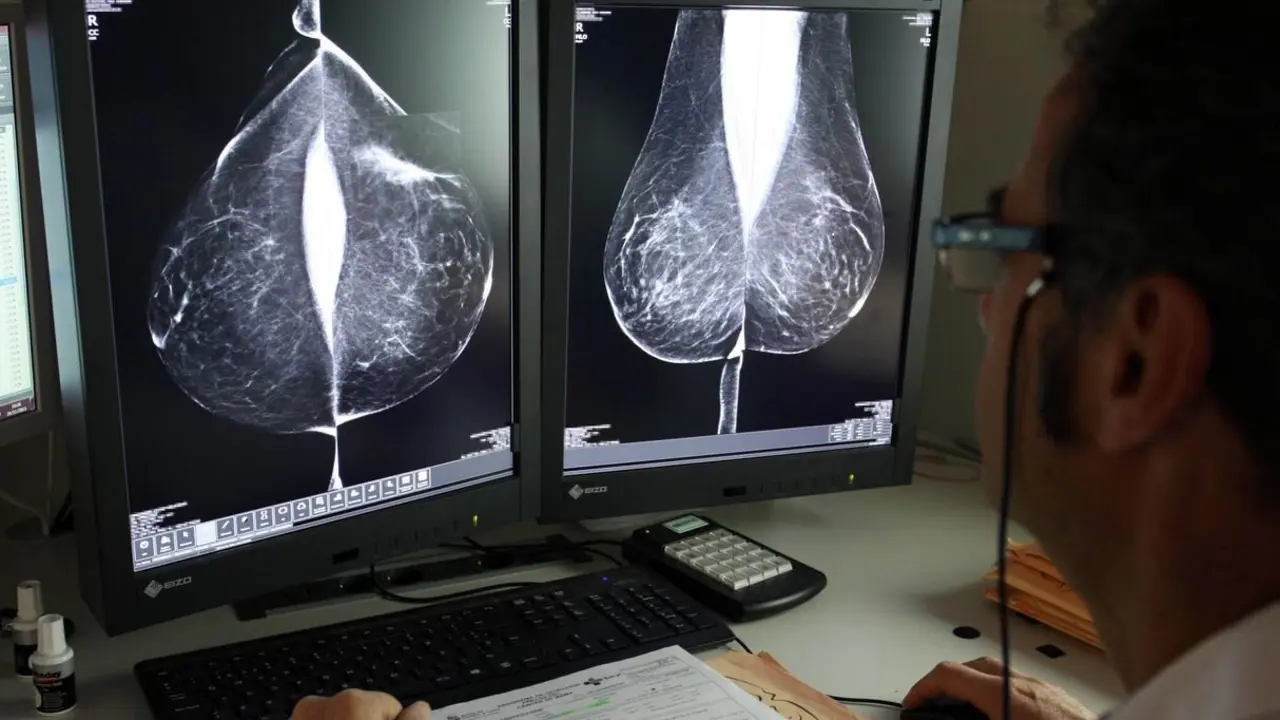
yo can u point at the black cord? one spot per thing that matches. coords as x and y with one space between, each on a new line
837 698
471 545
866 701
388 594
540 548
1002 563
598 553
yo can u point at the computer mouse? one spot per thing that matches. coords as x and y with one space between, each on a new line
943 708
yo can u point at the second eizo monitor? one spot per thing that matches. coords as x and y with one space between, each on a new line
746 287
294 262
28 383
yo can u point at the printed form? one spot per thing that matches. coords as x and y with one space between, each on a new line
667 684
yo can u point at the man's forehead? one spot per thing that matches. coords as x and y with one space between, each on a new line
1025 198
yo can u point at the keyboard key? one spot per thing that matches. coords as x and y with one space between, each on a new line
782 564
680 626
570 653
446 681
587 646
614 642
532 661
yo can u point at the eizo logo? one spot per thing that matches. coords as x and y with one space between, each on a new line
578 491
154 587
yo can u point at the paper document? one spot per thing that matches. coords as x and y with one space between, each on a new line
769 682
667 684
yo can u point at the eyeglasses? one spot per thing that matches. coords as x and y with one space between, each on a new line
972 247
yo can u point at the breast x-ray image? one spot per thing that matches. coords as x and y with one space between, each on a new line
751 221
332 263
306 207
742 219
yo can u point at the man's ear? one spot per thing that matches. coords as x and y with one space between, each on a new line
1150 361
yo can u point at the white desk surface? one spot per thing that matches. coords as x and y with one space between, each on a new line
903 564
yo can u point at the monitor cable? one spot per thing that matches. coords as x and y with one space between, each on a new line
589 547
471 545
387 594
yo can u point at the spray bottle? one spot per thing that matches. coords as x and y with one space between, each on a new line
26 636
53 668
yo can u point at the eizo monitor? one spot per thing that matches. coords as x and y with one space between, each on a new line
737 273
292 236
29 401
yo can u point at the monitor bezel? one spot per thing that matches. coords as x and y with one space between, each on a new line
113 590
39 308
695 484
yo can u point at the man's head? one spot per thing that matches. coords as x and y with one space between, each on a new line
1151 366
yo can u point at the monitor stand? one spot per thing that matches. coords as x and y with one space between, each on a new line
398 576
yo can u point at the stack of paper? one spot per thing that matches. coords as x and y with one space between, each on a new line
766 680
1037 590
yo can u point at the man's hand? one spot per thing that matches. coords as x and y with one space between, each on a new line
979 683
358 705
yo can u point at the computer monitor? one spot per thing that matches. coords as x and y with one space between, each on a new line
292 230
738 275
29 401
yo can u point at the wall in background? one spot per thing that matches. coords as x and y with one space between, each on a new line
1008 59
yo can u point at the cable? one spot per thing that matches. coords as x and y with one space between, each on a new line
15 502
866 701
955 450
396 597
1006 490
933 465
837 698
540 548
468 544
599 553
46 518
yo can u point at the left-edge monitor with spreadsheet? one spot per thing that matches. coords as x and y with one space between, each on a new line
294 236
29 400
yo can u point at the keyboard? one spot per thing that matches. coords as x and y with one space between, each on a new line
443 654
